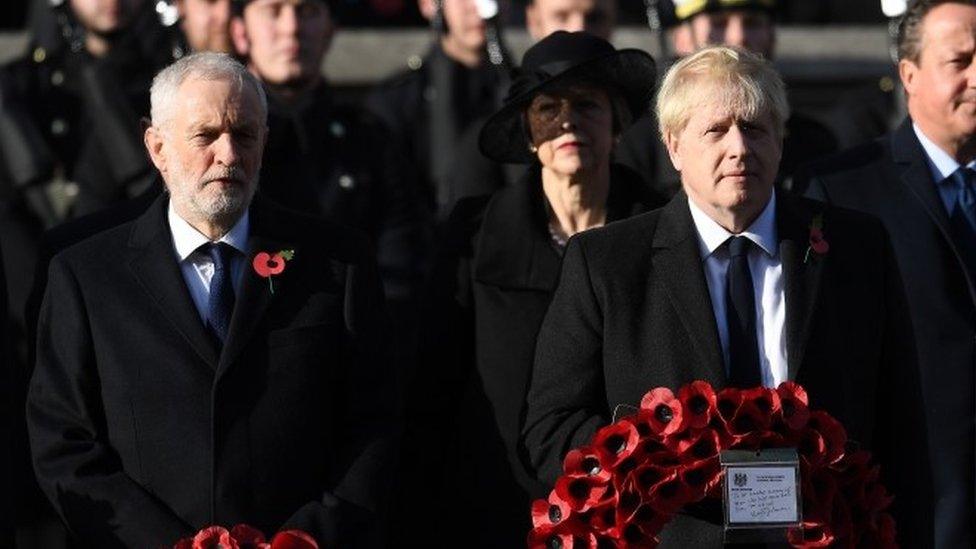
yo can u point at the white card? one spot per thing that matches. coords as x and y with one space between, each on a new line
761 495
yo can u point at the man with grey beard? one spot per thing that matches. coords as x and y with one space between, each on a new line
216 360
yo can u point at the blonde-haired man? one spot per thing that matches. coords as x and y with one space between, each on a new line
721 285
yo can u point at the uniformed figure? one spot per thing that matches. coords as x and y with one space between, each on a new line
71 144
322 158
473 174
430 105
744 23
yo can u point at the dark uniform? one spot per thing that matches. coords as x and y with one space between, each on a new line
71 144
429 107
339 162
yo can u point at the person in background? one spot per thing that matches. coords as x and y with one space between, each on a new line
206 24
71 145
748 24
919 181
430 105
474 174
496 273
544 17
323 158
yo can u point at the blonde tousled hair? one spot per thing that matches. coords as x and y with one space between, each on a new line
744 81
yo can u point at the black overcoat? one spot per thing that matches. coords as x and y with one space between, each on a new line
491 289
142 432
890 178
633 312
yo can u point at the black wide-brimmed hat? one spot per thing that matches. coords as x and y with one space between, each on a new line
560 58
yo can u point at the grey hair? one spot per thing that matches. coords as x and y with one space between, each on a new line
203 65
743 81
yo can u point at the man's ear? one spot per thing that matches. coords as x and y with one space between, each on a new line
907 70
671 142
238 34
154 144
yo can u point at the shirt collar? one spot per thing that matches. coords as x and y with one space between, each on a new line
187 239
940 163
711 235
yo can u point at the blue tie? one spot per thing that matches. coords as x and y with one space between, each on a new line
962 218
221 304
740 317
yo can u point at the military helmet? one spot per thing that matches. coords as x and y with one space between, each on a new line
682 10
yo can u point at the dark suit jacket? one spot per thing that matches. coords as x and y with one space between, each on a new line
632 312
6 421
490 292
142 432
890 179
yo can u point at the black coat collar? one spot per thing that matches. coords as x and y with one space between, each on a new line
514 248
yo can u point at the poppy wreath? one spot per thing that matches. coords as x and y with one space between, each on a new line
243 536
623 488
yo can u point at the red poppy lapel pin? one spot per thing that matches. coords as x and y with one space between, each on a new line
271 264
818 244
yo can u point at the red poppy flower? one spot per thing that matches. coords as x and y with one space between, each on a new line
810 535
661 411
699 402
834 434
728 401
615 443
701 445
267 265
567 535
817 242
701 477
580 493
794 404
293 539
214 537
247 537
550 512
585 462
669 496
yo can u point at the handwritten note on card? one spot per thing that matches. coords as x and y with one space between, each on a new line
758 495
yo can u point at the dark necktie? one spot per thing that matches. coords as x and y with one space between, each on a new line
740 316
962 218
221 304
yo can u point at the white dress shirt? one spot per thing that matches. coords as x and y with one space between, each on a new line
197 266
766 268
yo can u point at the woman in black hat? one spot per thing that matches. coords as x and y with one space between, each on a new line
495 276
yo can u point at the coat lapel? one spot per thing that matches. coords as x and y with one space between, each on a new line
801 276
514 249
155 265
909 156
255 291
678 260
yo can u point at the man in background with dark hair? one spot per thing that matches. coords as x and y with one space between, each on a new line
428 106
323 158
919 181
